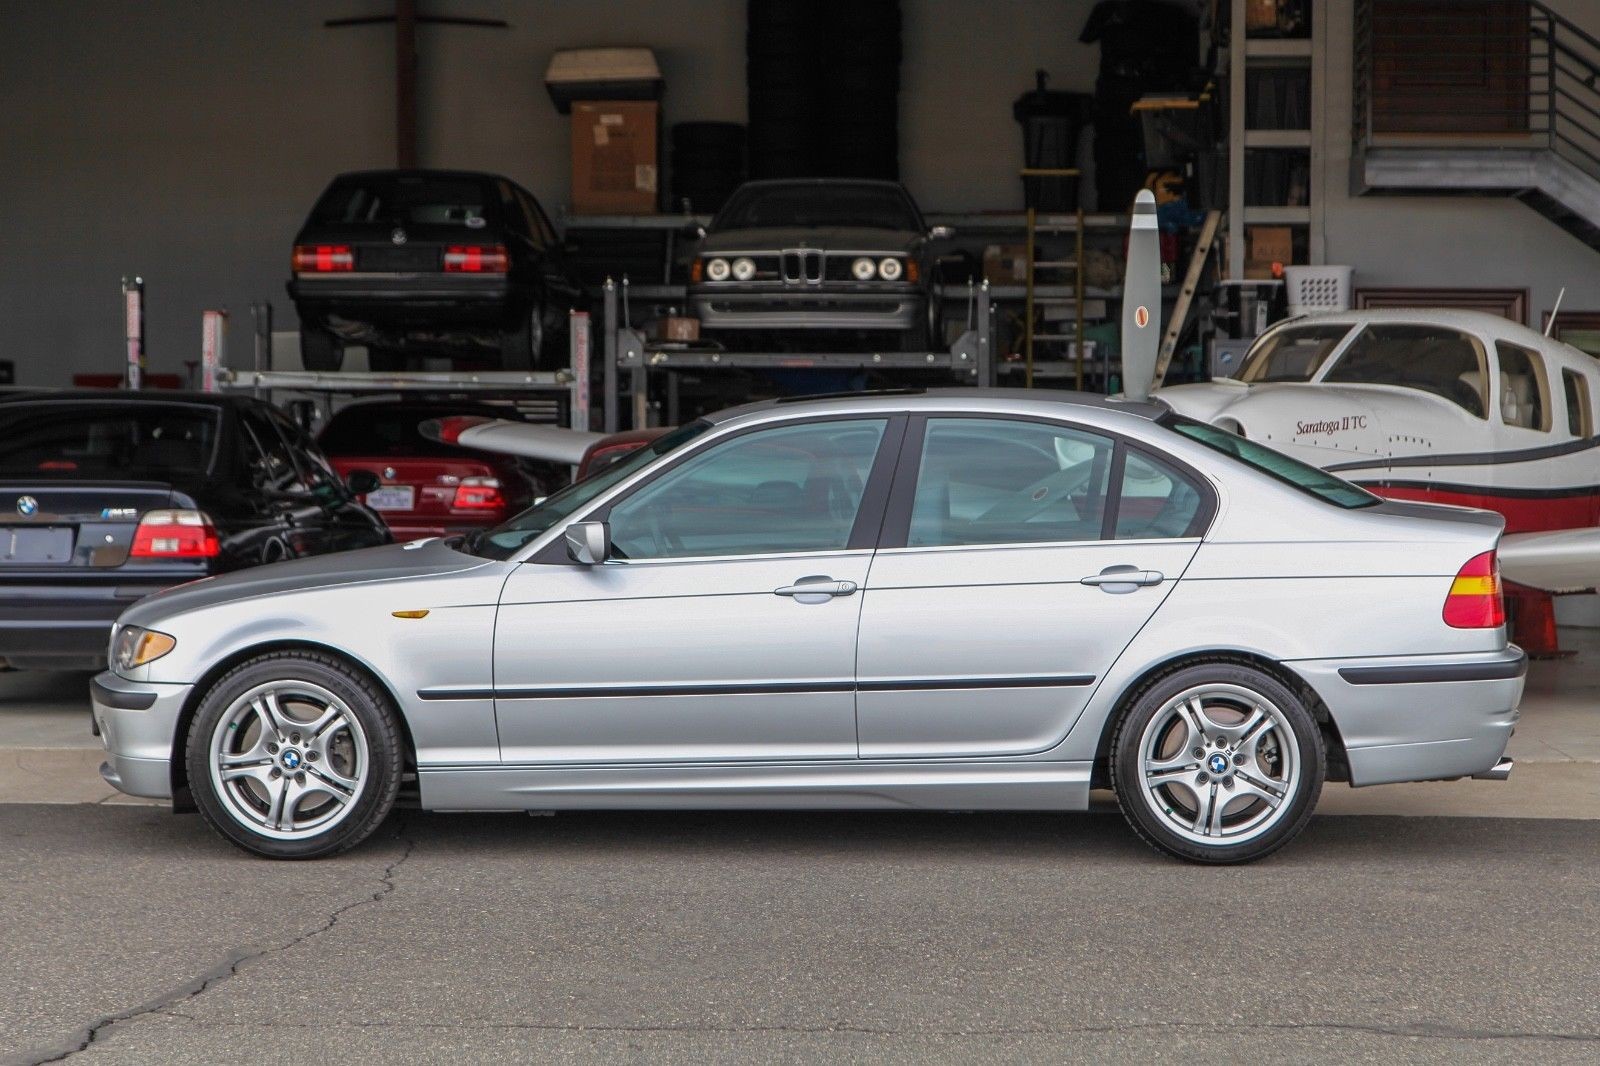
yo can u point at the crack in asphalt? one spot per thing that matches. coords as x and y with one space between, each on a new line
1417 1030
202 983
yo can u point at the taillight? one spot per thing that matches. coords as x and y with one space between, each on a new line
175 535
322 258
1475 600
476 259
478 494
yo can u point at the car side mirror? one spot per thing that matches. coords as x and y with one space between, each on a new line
589 543
941 233
361 482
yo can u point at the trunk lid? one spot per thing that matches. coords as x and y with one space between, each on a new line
414 488
79 526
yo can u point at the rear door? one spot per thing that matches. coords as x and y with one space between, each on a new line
1019 559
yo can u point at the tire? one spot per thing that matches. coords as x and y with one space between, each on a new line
522 344
1166 792
334 791
320 349
385 360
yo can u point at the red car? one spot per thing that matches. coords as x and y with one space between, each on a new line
427 488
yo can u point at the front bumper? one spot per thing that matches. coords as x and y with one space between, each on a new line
1421 717
138 722
808 307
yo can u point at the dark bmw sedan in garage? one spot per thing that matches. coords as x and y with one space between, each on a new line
108 497
412 263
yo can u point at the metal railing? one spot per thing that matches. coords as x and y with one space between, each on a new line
1476 73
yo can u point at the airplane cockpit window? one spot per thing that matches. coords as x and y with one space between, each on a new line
1580 417
1294 353
1443 362
1524 395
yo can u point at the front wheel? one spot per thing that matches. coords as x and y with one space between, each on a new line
294 755
320 349
1218 763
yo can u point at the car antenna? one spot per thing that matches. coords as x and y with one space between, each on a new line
1550 324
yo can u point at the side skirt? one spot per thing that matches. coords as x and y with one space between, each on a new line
922 785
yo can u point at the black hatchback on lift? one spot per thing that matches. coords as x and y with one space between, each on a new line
412 263
106 497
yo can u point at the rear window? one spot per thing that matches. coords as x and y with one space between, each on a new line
1308 479
119 441
402 200
374 430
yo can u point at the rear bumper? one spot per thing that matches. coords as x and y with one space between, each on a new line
64 623
137 721
1421 717
809 308
397 295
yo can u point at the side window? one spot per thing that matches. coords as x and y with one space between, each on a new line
1524 395
543 234
313 465
511 208
1444 362
787 489
1580 413
999 481
1156 500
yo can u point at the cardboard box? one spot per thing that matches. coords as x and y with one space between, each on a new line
1005 264
614 157
678 328
1265 245
1261 14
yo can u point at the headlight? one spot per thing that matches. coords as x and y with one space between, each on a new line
717 270
863 269
889 269
134 647
744 268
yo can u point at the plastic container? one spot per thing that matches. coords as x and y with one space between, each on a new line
1051 122
1318 288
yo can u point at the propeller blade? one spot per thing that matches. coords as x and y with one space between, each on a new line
1141 300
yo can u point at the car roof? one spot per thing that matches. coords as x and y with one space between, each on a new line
420 172
1018 401
188 397
767 183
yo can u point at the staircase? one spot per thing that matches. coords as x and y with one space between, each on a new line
1479 98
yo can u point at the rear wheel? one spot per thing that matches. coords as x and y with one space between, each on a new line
385 360
522 344
294 755
1218 763
320 349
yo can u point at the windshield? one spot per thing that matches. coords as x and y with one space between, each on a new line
404 199
503 540
124 442
1308 479
808 204
1295 353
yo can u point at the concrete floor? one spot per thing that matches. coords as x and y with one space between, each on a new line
133 936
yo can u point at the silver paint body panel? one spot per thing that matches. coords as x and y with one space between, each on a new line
853 701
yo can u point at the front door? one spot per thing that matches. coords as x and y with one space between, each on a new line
1015 570
724 627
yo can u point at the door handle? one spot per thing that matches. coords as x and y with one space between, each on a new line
816 589
1121 579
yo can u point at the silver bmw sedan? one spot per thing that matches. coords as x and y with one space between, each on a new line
943 600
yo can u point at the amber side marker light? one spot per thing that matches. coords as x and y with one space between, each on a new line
409 614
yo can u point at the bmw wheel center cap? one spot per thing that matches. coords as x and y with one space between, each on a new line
1218 763
290 759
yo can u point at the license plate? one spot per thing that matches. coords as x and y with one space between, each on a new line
393 498
36 544
400 259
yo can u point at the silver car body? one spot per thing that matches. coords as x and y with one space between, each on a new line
968 677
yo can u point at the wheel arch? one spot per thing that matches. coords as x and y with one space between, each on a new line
1338 763
181 799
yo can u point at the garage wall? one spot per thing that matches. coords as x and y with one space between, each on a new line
1468 242
186 139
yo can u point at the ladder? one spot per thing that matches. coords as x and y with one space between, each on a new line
1075 264
1191 282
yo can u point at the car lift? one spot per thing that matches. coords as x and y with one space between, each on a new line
970 358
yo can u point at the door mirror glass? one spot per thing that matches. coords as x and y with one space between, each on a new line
361 482
588 543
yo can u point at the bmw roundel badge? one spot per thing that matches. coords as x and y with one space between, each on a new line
27 505
398 236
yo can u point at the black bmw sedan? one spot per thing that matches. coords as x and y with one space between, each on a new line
447 263
106 497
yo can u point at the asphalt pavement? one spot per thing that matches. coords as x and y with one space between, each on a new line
137 936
